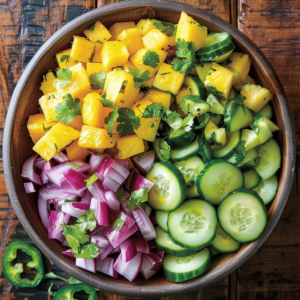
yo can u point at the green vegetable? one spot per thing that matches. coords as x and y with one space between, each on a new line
112 116
165 27
64 57
97 80
91 180
64 75
67 292
92 27
46 128
136 198
139 76
151 59
164 150
121 195
73 165
127 120
87 221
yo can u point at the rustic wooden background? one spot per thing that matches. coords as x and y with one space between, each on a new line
274 25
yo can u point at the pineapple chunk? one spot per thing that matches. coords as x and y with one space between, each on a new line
155 39
92 111
137 60
183 92
219 81
149 126
58 137
189 30
117 28
144 26
130 145
96 139
64 60
236 76
38 127
168 80
76 123
238 86
159 97
47 84
92 68
74 151
114 54
48 103
132 39
82 49
241 63
256 96
119 87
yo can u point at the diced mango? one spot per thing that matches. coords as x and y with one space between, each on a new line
158 96
48 103
96 139
58 137
106 112
144 26
130 145
155 39
119 87
241 63
64 60
168 80
74 151
190 30
82 49
132 38
38 127
238 86
76 123
92 68
47 83
92 111
117 28
137 60
183 92
114 54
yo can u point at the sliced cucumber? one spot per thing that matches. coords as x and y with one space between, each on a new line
219 137
210 128
267 189
190 169
215 106
222 57
243 215
204 149
192 192
194 107
161 218
217 179
193 224
215 118
268 160
260 117
179 139
213 251
155 146
267 111
169 189
195 85
185 153
249 160
164 243
214 41
178 269
202 70
223 242
251 179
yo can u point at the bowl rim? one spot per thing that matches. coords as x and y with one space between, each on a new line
287 181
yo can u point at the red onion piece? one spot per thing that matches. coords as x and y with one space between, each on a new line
115 250
159 252
100 211
146 162
128 250
127 210
77 180
97 190
29 187
147 209
116 176
39 163
100 240
123 162
68 253
55 221
129 179
43 211
86 263
95 161
75 209
53 193
47 166
28 170
112 200
155 261
151 244
106 266
60 157
138 182
111 184
67 188
87 197
106 252
140 244
146 268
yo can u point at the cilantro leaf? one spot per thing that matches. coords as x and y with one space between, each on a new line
239 153
187 103
186 51
65 76
87 221
121 194
68 110
203 120
128 121
99 42
88 251
92 27
190 135
112 116
136 198
151 59
165 27
139 76
64 57
164 150
255 126
118 224
154 110
97 80
238 100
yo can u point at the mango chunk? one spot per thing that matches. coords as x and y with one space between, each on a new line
117 28
64 60
82 49
130 145
158 96
114 54
144 26
92 111
241 63
74 151
155 39
48 103
132 38
47 83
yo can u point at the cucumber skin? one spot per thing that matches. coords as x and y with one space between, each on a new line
216 45
203 144
175 277
254 194
222 251
178 142
159 224
191 154
183 253
210 56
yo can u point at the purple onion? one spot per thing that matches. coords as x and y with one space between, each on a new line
95 161
39 163
86 263
75 209
87 197
138 182
128 250
28 170
100 211
146 162
77 180
60 157
106 266
112 200
29 187
43 211
55 221
47 166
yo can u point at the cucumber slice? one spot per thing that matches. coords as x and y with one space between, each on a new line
178 269
214 41
164 243
195 85
192 192
267 111
190 169
251 179
213 251
223 242
267 189
193 224
185 153
217 179
249 160
204 149
202 70
214 54
161 218
259 117
194 107
179 139
219 137
215 106
169 189
210 128
269 159
215 118
155 146
243 215
222 57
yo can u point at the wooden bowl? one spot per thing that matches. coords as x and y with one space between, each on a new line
18 145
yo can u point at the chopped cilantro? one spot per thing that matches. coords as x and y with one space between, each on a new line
127 120
164 150
112 116
99 42
65 76
92 27
154 110
151 59
165 27
88 251
73 165
165 73
91 180
118 224
136 198
56 147
203 120
255 126
87 221
46 128
97 80
121 194
139 76
152 126
238 100
64 57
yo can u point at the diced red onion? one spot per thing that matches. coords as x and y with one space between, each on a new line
65 243
28 170
128 250
155 261
100 240
47 166
55 221
52 193
67 188
109 163
116 176
138 182
95 161
29 187
129 179
146 268
75 209
112 200
111 184
87 197
60 157
77 180
123 162
106 266
68 253
115 250
146 162
86 263
127 210
100 211
106 252
152 244
147 209
159 252
43 211
97 190
140 244
39 163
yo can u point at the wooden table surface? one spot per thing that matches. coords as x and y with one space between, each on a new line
274 25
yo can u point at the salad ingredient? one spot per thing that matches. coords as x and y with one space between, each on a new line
156 39
251 179
67 292
267 189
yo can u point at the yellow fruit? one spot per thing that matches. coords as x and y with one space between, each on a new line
183 92
64 60
236 76
48 103
117 28
189 30
47 83
92 68
144 26
58 137
137 60
238 86
114 54
241 63
155 39
130 145
132 38
96 139
168 80
82 49
38 127
77 123
92 111
158 96
74 151
128 65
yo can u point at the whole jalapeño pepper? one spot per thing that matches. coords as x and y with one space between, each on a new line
67 292
12 272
